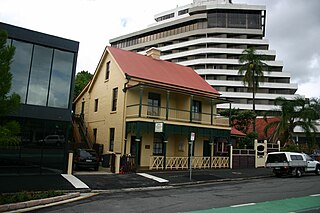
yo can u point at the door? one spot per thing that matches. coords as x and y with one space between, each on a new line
135 149
311 163
206 149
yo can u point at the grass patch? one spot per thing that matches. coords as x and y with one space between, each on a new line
26 196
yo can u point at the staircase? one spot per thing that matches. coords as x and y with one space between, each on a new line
81 138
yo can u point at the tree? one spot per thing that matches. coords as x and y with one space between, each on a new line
294 113
315 104
82 79
8 103
252 71
242 120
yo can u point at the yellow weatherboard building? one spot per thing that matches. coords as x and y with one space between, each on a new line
149 109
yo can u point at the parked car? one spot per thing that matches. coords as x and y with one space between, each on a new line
57 140
86 158
292 163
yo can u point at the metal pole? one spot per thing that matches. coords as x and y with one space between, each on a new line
191 150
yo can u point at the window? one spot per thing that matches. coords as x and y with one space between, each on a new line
111 145
60 82
95 130
20 68
96 102
114 99
157 144
108 70
254 21
154 104
196 110
39 76
181 12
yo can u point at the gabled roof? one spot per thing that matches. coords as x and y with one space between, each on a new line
148 68
237 133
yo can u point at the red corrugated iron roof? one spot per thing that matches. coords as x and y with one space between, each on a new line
148 68
261 124
237 133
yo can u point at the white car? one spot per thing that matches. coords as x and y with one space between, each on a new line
57 140
291 163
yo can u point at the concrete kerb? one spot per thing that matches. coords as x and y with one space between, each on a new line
32 203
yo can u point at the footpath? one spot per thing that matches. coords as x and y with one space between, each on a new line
85 184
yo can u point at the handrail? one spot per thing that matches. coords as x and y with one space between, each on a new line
82 127
174 114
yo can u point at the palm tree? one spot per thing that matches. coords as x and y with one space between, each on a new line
294 113
252 71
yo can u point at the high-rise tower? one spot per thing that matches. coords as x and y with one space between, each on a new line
209 36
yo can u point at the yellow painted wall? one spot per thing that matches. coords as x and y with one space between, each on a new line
102 90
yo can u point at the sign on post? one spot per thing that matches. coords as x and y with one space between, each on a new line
158 127
192 136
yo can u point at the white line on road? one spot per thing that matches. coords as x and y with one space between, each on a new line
78 184
240 205
160 180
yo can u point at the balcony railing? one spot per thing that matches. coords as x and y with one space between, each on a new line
177 115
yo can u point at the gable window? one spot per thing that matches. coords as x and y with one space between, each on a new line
157 144
196 110
114 99
96 103
153 104
108 70
111 137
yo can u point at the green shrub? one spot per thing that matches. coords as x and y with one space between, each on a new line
26 196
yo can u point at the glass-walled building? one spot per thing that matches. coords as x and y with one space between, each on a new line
43 70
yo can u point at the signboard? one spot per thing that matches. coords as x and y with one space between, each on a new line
192 136
158 127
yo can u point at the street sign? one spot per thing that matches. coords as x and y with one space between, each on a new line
158 127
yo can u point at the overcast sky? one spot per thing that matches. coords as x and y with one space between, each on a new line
293 28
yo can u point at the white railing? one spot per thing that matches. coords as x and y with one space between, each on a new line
156 162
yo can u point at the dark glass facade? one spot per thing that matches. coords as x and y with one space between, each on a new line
215 19
43 71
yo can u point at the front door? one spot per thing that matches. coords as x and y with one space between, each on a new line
135 149
206 149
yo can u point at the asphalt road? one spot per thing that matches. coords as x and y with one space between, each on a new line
211 197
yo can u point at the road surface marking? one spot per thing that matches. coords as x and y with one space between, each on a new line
160 180
240 205
78 184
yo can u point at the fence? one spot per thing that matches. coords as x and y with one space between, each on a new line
175 163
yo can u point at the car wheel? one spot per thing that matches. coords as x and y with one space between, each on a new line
318 170
298 172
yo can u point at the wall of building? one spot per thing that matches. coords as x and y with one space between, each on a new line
43 70
104 118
